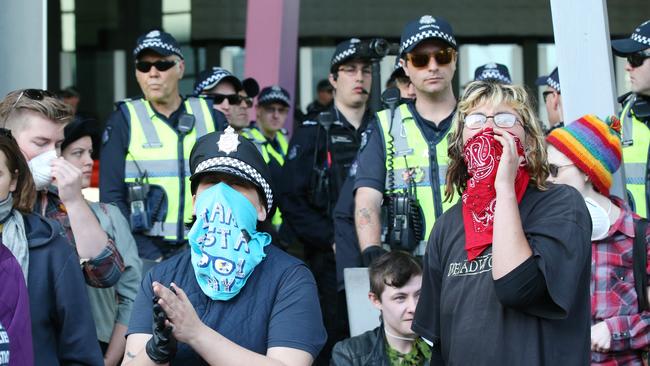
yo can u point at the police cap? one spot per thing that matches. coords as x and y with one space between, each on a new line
159 42
639 40
426 27
345 51
552 80
208 79
493 71
229 153
274 94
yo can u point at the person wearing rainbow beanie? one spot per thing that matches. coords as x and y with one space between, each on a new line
584 155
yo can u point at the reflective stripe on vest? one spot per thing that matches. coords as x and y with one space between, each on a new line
635 158
154 147
411 156
267 151
264 146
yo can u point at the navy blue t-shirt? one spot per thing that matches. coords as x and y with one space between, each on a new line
371 170
278 306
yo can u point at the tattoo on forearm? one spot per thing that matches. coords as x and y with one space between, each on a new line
364 216
129 354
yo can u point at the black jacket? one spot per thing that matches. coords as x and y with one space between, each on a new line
365 349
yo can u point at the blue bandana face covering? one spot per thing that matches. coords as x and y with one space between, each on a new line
225 246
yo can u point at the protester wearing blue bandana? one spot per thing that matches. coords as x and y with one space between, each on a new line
232 298
225 246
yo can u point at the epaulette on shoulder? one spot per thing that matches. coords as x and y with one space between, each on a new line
624 98
284 131
120 102
309 123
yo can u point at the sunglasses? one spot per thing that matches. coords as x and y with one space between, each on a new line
555 169
443 57
233 99
33 94
161 65
503 120
637 59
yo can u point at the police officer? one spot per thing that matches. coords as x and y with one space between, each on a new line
408 152
399 80
227 93
146 144
635 116
269 135
552 99
319 158
494 72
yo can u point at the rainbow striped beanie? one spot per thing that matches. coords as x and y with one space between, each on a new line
593 145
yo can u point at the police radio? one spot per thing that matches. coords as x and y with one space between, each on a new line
137 196
185 123
320 177
404 219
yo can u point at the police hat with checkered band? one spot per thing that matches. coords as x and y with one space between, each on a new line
345 51
229 153
159 42
493 71
208 79
274 94
639 40
426 27
552 80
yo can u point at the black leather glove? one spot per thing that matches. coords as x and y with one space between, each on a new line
371 253
161 348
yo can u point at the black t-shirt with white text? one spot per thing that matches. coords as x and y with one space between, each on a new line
461 312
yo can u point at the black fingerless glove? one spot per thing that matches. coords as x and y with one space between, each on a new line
161 348
371 253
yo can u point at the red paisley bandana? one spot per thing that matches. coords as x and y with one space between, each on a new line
482 154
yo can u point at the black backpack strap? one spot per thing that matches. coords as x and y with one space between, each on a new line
640 258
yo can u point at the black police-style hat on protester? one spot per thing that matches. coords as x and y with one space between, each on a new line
274 94
345 51
159 42
208 79
229 153
639 40
79 128
493 71
552 80
427 27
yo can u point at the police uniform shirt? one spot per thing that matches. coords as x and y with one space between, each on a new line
314 226
371 170
115 144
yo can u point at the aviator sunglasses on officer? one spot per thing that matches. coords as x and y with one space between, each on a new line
637 59
503 120
160 65
443 56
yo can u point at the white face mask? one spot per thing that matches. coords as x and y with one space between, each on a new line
41 169
599 220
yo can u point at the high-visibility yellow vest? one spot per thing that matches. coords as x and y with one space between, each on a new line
154 148
269 152
415 156
635 158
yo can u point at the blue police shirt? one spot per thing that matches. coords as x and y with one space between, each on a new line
278 306
115 145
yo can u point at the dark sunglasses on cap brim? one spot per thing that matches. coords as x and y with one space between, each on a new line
160 65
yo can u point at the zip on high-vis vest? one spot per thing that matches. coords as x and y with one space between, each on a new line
156 147
636 158
416 157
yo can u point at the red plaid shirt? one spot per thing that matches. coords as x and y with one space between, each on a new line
613 298
102 271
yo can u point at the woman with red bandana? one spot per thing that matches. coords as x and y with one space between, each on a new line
510 286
